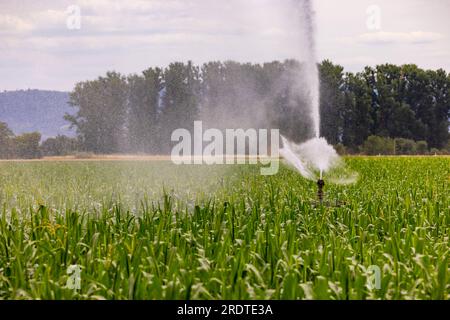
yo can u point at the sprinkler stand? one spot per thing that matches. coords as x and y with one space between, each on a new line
320 186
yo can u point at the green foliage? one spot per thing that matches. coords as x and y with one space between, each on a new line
144 123
101 113
422 147
357 115
6 143
340 149
26 146
180 101
59 146
375 145
139 113
405 146
284 102
435 151
447 147
221 232
332 101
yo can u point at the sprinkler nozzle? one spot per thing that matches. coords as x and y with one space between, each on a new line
320 186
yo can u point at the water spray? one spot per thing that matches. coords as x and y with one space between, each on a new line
316 154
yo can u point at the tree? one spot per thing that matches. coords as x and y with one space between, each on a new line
422 147
26 146
439 84
331 101
59 146
340 149
235 95
375 145
290 108
100 120
180 100
143 104
408 102
356 114
405 146
387 83
140 112
6 136
414 91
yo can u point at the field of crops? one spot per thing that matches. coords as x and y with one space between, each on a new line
153 230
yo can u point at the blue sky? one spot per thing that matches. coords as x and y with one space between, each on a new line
38 50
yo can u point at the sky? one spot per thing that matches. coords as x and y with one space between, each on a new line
53 44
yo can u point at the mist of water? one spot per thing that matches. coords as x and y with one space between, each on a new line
308 56
292 158
314 157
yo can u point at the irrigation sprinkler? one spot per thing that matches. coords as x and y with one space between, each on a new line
321 197
320 186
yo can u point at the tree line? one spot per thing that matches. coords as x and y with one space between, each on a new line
25 146
138 113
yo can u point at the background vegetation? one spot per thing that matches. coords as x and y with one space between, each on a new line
361 112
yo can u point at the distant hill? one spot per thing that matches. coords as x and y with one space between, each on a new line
36 110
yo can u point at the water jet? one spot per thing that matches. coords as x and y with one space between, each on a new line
314 157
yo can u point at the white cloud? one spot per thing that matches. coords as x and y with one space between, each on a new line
134 7
414 37
10 24
388 38
48 18
131 35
